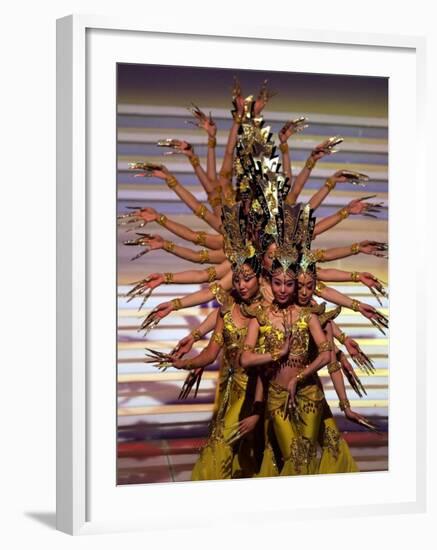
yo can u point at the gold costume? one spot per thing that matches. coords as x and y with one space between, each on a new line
291 442
236 390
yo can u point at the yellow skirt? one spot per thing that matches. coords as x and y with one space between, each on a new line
291 442
218 459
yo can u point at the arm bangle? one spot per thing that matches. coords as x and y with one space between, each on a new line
343 213
169 246
319 254
196 334
300 377
171 182
330 183
217 337
355 248
324 346
355 276
162 220
320 286
283 147
342 338
194 161
201 212
204 256
344 404
200 238
212 274
177 304
212 142
168 278
334 367
310 163
355 305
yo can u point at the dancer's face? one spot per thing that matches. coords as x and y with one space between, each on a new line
269 256
305 288
245 282
283 285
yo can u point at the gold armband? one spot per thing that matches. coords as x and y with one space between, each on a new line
283 147
342 338
169 246
355 248
355 305
217 337
196 334
237 118
300 377
319 254
215 201
334 367
310 163
344 404
330 183
324 346
168 278
212 142
177 304
212 274
320 285
343 213
194 161
201 212
248 347
162 220
355 276
225 174
275 354
204 256
200 238
171 181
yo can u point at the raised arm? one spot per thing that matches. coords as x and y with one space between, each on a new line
185 344
249 358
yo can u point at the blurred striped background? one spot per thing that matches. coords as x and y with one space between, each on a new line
159 436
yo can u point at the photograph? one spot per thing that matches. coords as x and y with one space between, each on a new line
252 273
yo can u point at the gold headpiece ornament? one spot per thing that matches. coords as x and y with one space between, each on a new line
237 247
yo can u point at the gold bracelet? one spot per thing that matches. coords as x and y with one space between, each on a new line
275 355
319 254
217 337
248 347
225 174
201 212
355 305
215 201
320 285
204 256
344 404
177 304
212 274
168 278
310 163
200 238
283 147
300 377
196 334
171 182
324 346
169 246
342 338
355 248
343 213
162 220
237 118
355 276
330 183
212 142
194 161
334 367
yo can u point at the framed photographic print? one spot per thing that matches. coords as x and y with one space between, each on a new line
230 325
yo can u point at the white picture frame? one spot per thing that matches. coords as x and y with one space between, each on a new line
76 236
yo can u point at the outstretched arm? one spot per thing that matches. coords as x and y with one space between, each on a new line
185 345
357 206
373 248
208 354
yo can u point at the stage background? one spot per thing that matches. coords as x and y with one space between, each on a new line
159 436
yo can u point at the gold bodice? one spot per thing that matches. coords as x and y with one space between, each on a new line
233 336
300 338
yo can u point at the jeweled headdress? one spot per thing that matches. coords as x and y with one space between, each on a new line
237 247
